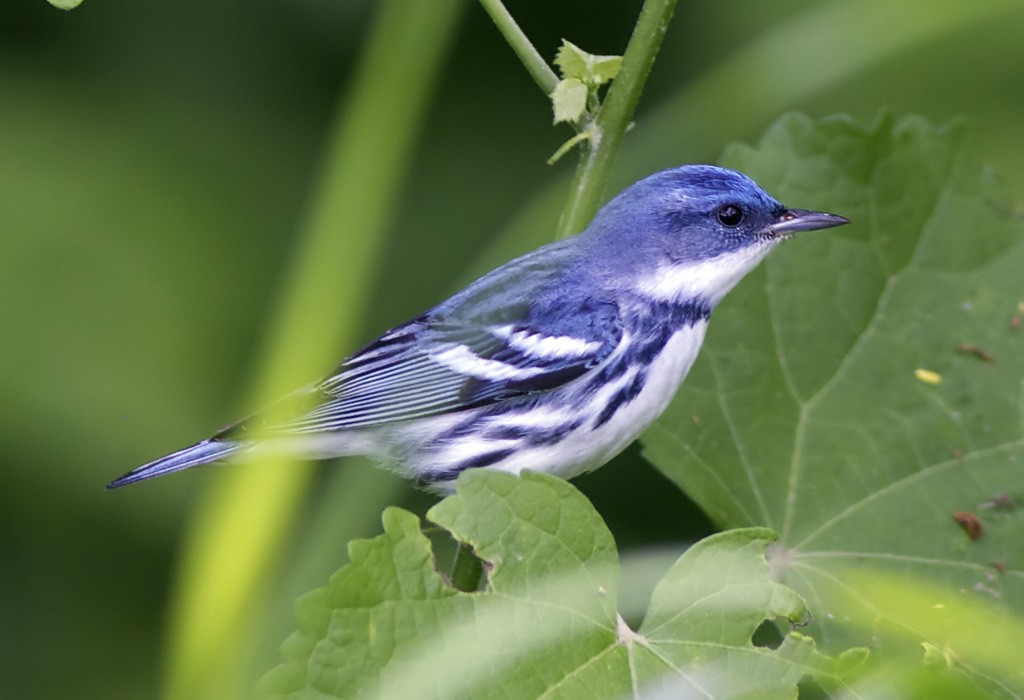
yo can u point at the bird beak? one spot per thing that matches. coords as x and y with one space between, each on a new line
791 221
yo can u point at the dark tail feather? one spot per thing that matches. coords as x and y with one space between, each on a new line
201 453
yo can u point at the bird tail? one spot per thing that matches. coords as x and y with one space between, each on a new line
201 453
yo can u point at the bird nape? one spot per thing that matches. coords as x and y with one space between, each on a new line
554 361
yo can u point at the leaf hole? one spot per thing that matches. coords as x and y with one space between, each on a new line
445 550
767 635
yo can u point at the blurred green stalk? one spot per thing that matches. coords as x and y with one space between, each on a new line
236 534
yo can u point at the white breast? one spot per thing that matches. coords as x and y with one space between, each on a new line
587 448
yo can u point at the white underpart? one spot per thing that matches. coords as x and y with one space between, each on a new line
583 449
709 279
466 448
586 448
462 360
548 346
539 417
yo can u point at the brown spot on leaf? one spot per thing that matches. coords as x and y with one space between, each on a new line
969 522
966 349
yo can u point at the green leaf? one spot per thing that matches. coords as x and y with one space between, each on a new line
703 614
389 625
582 74
65 4
569 100
805 412
604 68
571 60
967 632
591 69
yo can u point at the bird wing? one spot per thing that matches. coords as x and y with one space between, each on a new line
519 330
426 368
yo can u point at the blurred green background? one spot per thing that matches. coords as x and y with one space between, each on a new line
157 165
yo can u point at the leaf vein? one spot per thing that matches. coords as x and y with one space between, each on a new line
908 558
675 669
576 671
741 451
898 484
796 463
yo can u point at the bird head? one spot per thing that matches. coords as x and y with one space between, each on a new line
694 231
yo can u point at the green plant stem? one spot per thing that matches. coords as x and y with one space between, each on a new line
616 111
237 533
528 54
466 569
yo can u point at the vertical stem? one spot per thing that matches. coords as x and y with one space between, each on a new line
528 54
237 533
466 569
616 112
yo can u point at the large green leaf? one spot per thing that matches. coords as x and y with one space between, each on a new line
806 411
546 625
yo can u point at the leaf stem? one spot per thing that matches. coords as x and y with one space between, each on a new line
567 146
528 54
466 569
612 120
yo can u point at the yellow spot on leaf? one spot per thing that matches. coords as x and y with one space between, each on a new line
927 376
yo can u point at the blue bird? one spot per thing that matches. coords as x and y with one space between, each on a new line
553 362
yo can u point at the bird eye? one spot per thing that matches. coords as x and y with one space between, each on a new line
730 215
